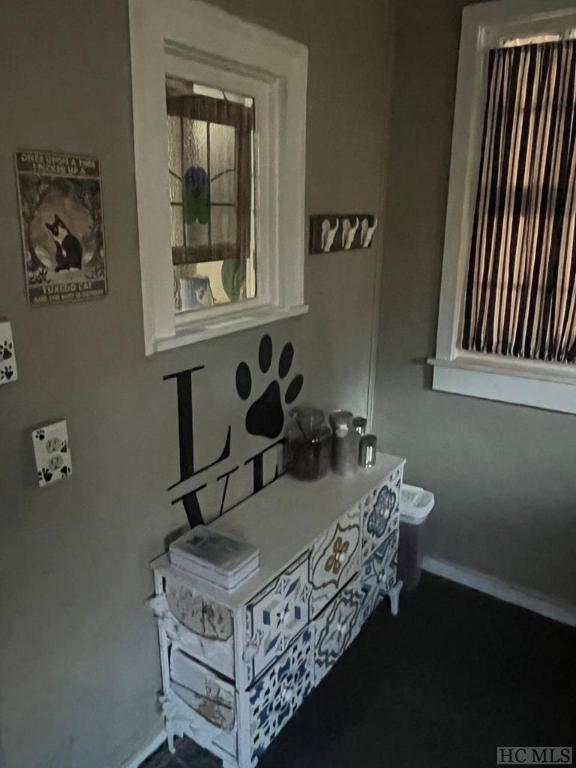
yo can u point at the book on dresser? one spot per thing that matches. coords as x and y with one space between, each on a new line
220 559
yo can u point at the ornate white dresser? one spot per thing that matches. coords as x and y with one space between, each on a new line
237 665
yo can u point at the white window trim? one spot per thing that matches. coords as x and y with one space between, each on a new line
528 382
193 39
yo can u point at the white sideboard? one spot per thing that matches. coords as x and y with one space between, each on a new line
237 664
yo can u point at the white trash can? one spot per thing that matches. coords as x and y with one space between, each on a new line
415 506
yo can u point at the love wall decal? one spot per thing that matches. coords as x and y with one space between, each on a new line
264 418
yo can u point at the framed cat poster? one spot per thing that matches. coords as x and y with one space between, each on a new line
60 198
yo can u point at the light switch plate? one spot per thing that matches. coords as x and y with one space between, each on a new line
8 370
52 452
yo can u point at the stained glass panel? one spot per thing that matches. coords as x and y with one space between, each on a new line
197 234
195 143
223 225
211 184
175 158
177 225
222 163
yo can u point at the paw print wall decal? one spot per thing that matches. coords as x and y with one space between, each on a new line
52 453
6 374
265 416
8 370
6 350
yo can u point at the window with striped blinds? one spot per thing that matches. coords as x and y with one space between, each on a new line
520 298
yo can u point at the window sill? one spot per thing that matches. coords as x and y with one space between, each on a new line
196 331
548 386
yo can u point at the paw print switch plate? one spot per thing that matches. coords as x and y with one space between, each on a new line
52 452
8 370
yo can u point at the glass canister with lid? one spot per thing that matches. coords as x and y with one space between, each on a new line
308 444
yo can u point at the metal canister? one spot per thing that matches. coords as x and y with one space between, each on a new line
344 443
367 453
359 424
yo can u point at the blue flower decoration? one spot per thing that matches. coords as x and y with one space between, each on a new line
196 195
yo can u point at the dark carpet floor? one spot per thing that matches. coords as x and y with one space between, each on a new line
455 675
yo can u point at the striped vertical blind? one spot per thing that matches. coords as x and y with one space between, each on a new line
521 286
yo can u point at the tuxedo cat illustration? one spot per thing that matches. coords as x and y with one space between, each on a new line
68 247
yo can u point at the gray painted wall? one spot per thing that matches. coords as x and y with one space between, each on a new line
504 475
78 653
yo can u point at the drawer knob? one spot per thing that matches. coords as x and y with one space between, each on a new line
342 628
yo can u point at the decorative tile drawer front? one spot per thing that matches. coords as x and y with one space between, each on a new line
381 513
334 559
336 628
200 615
216 653
274 617
279 693
211 697
379 573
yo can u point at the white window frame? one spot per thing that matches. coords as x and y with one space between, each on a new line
201 43
535 383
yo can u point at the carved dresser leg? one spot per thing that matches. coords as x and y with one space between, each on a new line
394 595
170 733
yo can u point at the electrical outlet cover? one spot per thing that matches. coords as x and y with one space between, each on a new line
8 370
52 452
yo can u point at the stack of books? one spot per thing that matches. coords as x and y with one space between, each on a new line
219 559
